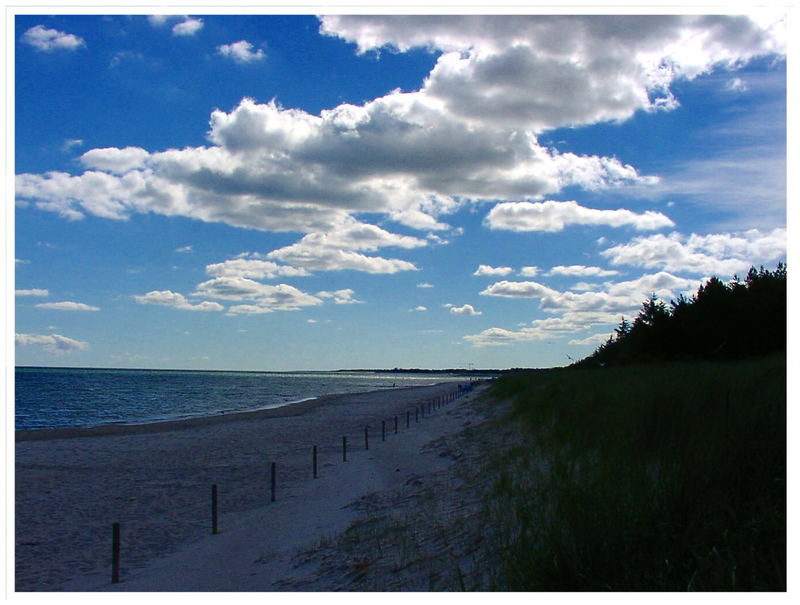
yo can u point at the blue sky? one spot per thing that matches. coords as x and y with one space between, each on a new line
303 192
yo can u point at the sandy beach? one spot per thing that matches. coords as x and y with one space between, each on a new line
330 533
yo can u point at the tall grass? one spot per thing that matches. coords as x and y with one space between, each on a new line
664 477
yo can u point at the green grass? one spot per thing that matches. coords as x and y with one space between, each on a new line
662 477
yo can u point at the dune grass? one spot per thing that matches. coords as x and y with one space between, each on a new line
667 477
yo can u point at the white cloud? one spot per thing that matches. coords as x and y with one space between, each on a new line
159 20
336 250
241 52
70 143
50 39
67 306
554 216
55 344
575 312
593 340
265 298
424 285
470 134
184 250
549 71
581 271
489 270
117 161
621 297
517 289
340 297
168 298
736 85
32 292
419 309
253 268
550 328
188 27
331 259
463 310
721 254
529 271
286 170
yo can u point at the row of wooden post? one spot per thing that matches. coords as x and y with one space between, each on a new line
437 403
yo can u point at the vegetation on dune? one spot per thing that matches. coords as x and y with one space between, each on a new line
722 321
660 476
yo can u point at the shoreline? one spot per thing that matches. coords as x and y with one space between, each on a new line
155 479
292 408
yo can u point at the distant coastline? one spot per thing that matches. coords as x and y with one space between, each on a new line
454 371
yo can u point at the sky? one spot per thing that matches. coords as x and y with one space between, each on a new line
304 192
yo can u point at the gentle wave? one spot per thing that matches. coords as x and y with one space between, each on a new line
47 398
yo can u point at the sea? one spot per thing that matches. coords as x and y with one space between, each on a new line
47 398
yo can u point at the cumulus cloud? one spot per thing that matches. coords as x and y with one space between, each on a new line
46 39
168 298
529 271
159 20
581 271
264 298
721 254
554 216
463 310
489 270
55 344
469 134
241 52
281 169
32 292
547 71
736 85
339 249
578 311
117 161
418 309
340 297
188 27
253 268
67 306
592 340
542 329
614 297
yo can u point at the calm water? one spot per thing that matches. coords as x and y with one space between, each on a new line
61 397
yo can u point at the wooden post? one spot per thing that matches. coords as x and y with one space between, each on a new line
408 419
416 414
314 464
214 528
344 449
115 553
383 430
272 483
395 425
366 437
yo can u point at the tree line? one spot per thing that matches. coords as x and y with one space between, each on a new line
743 318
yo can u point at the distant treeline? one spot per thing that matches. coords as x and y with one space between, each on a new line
722 321
456 371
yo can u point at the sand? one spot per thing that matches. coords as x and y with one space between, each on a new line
330 533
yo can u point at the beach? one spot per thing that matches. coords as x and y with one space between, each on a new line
155 481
